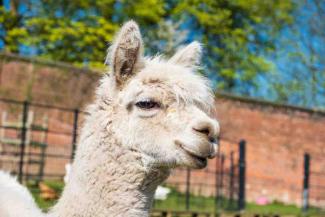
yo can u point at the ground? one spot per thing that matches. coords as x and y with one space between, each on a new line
176 201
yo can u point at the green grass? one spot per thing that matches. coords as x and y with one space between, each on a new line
176 201
283 209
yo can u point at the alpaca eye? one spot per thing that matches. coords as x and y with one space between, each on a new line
147 104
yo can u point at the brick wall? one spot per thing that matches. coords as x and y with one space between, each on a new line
277 135
45 82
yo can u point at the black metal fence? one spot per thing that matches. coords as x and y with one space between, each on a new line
218 187
313 182
37 141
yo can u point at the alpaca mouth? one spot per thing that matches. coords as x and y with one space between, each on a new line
200 161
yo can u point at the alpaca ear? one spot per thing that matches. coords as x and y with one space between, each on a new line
189 56
125 55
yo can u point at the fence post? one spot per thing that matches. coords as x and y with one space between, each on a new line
74 132
187 199
241 167
231 181
305 194
217 177
221 177
23 140
217 174
220 181
216 182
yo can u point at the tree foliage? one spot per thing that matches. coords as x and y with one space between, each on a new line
237 34
302 48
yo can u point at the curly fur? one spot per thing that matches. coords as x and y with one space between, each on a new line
126 151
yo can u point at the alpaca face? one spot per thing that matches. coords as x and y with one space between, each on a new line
161 108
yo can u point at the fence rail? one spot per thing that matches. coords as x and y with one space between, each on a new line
32 149
225 183
38 140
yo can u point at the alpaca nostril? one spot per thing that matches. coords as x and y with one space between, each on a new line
212 140
205 130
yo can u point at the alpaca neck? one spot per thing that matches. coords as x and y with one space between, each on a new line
108 180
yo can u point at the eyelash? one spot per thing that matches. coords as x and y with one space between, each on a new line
147 104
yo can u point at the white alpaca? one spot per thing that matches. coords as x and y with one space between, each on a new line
150 115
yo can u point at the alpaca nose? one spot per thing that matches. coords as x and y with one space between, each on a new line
209 129
206 128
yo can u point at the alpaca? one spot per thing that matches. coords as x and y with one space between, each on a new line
149 116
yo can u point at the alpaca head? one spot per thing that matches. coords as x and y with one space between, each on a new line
160 108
